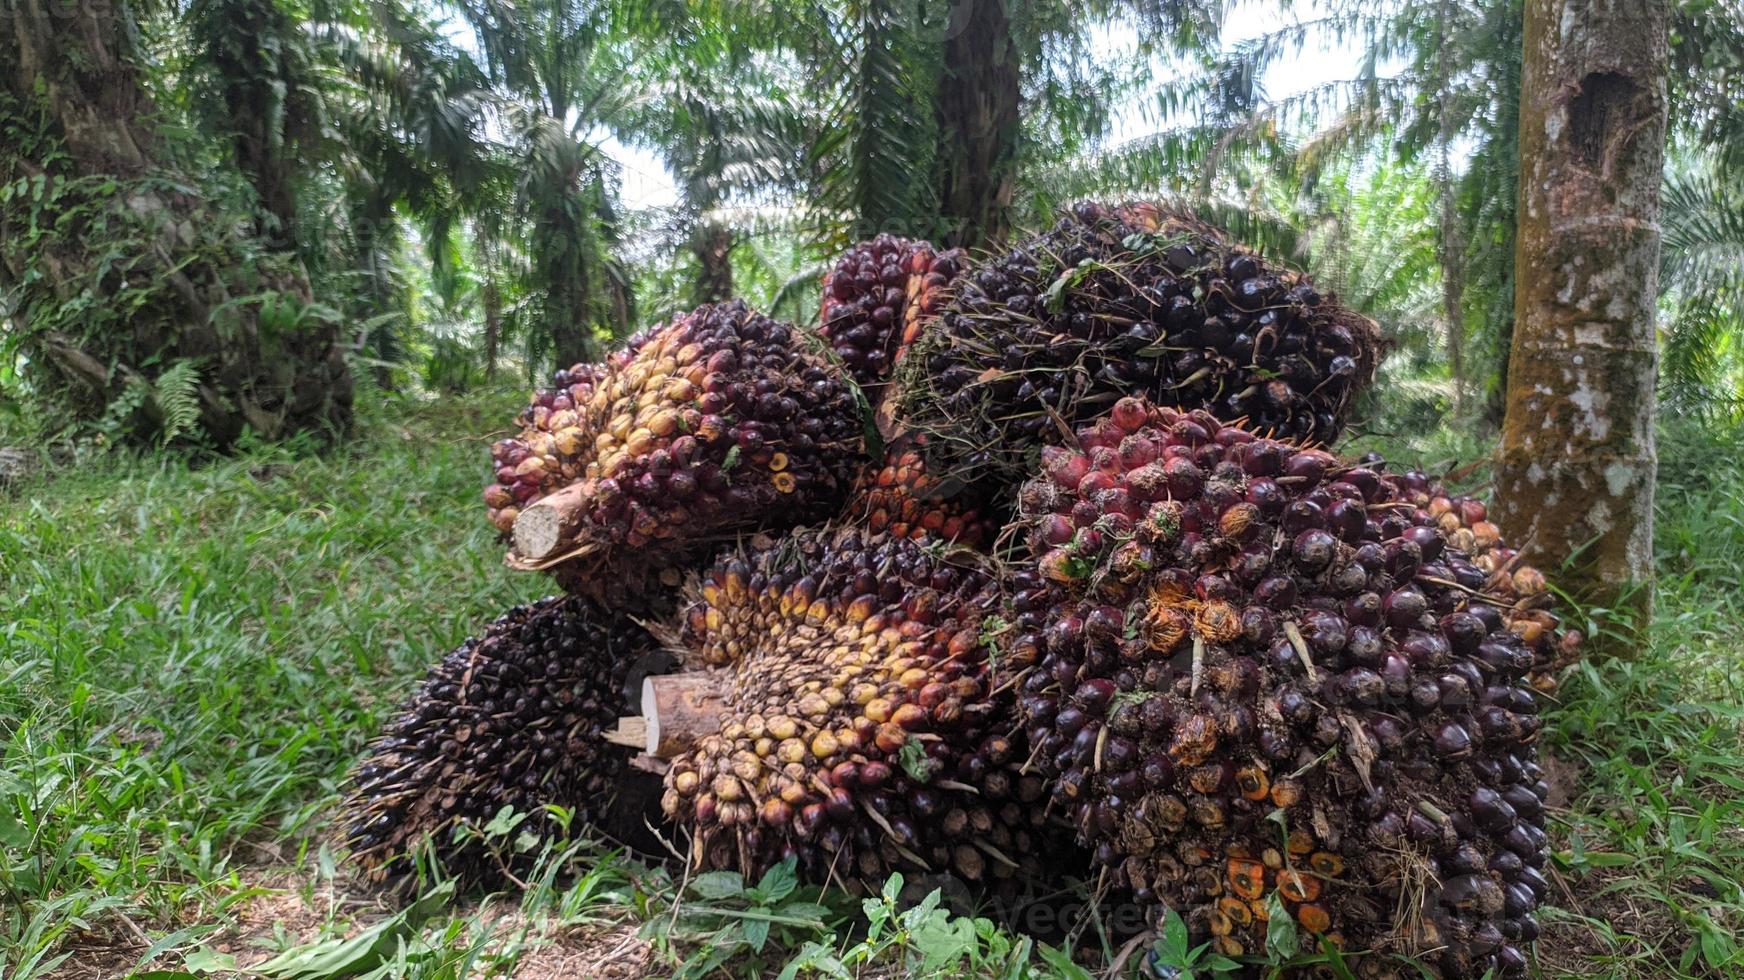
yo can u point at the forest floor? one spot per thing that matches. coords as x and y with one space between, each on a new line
192 657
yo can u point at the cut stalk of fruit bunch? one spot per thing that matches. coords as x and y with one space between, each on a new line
719 422
866 728
1130 300
878 297
514 717
1277 687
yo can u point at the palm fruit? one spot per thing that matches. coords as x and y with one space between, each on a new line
718 422
514 717
1277 688
867 729
522 475
1524 589
1134 300
904 498
877 298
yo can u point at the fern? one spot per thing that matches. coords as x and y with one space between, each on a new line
116 424
176 396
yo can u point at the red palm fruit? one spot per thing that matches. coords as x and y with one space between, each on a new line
863 696
718 422
1350 723
902 498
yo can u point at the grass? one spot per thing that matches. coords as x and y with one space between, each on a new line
192 656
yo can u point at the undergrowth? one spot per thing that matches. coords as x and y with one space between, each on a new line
192 655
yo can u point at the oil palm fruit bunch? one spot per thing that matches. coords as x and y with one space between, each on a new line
1465 521
1276 689
878 296
863 731
513 717
906 499
522 465
719 421
1132 300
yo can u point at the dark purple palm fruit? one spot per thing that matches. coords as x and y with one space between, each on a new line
1529 606
1264 691
877 298
868 727
719 422
1132 300
514 717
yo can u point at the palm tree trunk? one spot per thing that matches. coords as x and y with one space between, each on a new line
977 107
568 289
250 52
492 298
134 274
1577 463
713 247
1449 246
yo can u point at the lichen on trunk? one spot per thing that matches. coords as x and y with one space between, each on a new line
1577 461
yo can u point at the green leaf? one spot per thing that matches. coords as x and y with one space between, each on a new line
203 960
13 833
915 761
942 941
1335 960
779 881
506 819
756 933
717 885
366 950
1281 940
1060 963
818 958
730 460
1174 942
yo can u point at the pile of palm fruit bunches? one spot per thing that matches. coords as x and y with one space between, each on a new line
1036 565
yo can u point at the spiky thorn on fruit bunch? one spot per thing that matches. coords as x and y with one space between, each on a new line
1276 689
868 728
1130 300
514 717
878 298
903 497
719 422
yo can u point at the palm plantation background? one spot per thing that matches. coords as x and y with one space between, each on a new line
438 190
441 184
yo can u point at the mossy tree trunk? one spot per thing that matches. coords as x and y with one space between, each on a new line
120 269
978 107
1577 462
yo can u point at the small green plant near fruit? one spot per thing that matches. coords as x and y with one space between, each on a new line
927 942
728 919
